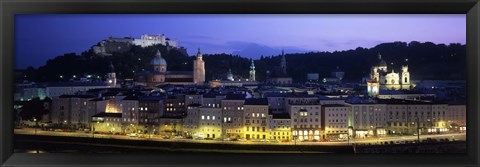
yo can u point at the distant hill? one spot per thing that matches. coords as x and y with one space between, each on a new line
426 61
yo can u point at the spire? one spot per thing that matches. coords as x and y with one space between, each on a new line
379 56
283 63
158 54
112 69
252 65
199 54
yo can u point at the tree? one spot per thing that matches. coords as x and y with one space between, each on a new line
33 109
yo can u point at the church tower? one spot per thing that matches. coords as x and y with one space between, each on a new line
199 69
283 63
111 78
252 71
405 80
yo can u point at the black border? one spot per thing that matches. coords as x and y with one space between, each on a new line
9 8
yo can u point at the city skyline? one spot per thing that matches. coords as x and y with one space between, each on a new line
231 34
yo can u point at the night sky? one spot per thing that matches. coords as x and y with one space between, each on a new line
42 37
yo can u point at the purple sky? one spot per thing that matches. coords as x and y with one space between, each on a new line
41 37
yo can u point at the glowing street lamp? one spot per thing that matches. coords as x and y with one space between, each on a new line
36 124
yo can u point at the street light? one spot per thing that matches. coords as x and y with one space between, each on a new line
36 124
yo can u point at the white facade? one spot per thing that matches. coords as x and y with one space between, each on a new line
306 121
149 40
368 119
335 120
55 91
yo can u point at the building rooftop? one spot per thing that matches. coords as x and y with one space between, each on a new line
232 96
74 84
151 98
334 105
104 114
77 96
402 101
194 105
280 115
256 101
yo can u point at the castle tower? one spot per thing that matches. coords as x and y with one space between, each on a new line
252 71
405 80
199 69
283 63
111 77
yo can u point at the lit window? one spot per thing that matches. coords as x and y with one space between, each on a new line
203 117
213 117
208 117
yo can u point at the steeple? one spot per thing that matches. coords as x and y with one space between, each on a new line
230 75
111 77
199 54
112 69
283 63
252 65
158 54
252 71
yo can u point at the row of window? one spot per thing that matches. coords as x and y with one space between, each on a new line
253 129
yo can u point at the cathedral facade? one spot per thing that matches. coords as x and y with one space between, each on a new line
158 75
381 78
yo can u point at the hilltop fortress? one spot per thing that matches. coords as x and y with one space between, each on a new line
111 45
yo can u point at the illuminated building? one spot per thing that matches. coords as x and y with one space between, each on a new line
306 116
232 115
380 78
457 115
150 40
72 110
210 122
70 88
367 119
199 69
130 113
174 105
160 76
256 119
107 122
191 121
335 122
170 126
280 127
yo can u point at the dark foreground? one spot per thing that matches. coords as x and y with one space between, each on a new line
98 145
58 144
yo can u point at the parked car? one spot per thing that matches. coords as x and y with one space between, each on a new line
132 135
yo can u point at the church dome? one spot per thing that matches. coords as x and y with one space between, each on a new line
158 60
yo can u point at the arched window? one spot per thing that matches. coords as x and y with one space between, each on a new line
393 81
406 80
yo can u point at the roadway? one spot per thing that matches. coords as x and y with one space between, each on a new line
380 140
